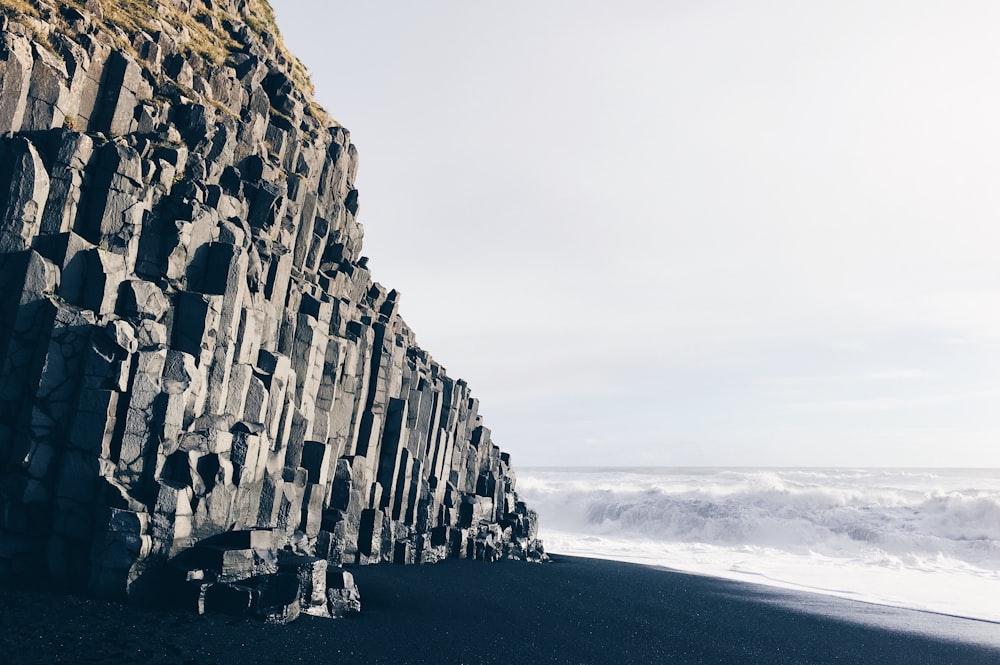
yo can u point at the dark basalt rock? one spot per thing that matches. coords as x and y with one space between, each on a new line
204 396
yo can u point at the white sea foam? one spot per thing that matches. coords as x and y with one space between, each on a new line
913 538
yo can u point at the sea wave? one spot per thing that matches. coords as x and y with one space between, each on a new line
753 520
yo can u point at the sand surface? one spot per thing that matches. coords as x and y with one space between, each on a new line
570 611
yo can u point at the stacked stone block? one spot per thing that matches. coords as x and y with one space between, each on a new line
191 343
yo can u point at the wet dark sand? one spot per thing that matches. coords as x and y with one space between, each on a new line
570 611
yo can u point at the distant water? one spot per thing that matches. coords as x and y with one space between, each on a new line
919 538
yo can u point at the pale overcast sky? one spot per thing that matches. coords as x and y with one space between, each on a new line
691 232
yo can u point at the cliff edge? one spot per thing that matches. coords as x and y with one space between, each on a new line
203 392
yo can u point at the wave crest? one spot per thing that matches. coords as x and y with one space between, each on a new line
858 516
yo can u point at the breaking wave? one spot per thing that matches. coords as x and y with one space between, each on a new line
794 526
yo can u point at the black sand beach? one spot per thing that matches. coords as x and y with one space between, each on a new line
570 611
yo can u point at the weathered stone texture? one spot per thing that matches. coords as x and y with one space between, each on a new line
192 345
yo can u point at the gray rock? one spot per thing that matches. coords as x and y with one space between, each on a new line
141 299
103 272
73 153
343 597
120 93
16 62
47 94
199 375
24 188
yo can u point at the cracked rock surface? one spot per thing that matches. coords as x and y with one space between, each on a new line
194 356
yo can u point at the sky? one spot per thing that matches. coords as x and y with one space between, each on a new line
686 233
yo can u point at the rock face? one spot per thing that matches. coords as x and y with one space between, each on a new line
192 345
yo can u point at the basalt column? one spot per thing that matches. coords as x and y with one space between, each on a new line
194 356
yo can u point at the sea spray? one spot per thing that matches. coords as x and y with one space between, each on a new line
928 539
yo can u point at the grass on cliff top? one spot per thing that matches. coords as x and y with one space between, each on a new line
205 37
134 16
262 18
19 8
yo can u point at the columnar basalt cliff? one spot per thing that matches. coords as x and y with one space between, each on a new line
199 377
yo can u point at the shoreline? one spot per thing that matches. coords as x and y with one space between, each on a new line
915 538
573 610
761 580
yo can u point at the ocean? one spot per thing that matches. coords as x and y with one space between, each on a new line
925 539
